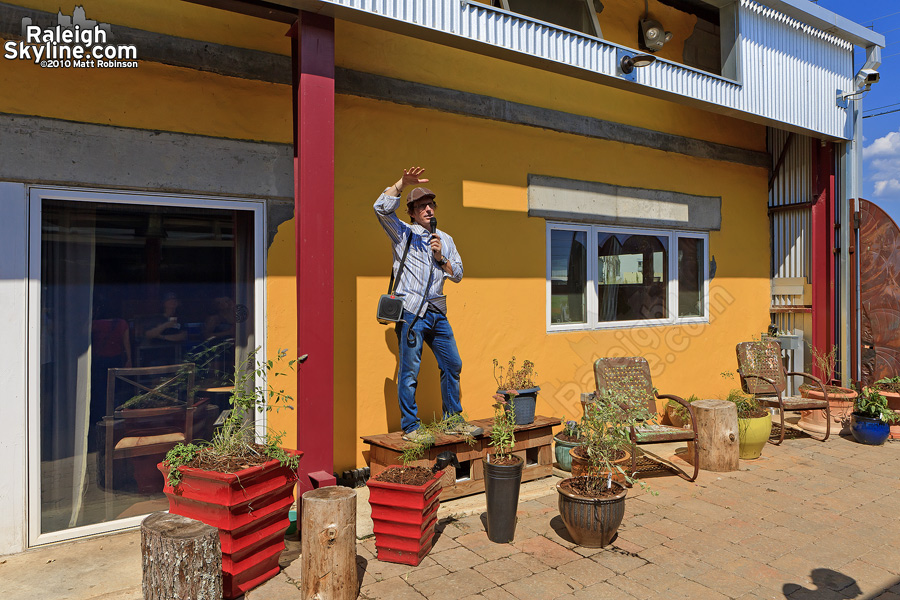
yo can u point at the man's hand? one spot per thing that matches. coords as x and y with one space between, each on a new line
435 243
411 176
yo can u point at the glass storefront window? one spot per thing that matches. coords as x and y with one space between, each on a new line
144 311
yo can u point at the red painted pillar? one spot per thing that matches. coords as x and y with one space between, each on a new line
822 259
313 78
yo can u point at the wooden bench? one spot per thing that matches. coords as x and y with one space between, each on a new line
533 444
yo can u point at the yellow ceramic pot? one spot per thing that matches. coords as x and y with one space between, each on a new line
753 435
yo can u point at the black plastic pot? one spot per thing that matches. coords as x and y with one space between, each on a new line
501 488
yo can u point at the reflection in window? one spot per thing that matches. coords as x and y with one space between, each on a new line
632 276
568 275
690 277
144 313
627 276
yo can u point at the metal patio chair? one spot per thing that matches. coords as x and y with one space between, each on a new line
763 375
146 432
630 377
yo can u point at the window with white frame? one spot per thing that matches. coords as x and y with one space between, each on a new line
602 277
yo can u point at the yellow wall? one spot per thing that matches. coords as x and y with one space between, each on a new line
479 170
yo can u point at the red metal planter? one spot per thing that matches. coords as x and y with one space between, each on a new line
404 517
250 509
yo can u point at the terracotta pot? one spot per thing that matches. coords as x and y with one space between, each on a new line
404 517
674 418
841 405
250 509
753 434
893 400
592 522
582 466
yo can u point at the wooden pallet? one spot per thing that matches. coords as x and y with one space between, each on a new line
533 444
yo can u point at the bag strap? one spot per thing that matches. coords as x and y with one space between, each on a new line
400 268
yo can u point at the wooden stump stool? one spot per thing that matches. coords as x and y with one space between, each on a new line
181 559
328 538
717 436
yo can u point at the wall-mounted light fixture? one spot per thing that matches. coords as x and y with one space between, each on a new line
651 35
629 61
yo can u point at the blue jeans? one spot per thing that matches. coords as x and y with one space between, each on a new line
434 329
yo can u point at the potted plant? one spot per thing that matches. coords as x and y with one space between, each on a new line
754 424
840 399
592 506
521 383
405 500
502 474
565 440
243 488
677 414
871 418
889 387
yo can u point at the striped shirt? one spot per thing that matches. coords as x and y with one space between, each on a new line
420 263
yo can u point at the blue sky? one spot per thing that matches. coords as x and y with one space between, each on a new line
881 152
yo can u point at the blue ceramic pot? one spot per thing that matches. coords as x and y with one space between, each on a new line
563 458
867 430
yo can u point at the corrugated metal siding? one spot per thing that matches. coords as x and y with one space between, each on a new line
791 227
790 71
793 185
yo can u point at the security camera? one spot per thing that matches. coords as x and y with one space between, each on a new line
867 77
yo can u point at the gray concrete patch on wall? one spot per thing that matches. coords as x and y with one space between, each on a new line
559 199
420 95
38 150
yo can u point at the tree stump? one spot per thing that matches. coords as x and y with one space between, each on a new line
717 436
181 558
328 534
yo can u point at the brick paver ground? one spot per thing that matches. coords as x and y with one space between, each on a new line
808 520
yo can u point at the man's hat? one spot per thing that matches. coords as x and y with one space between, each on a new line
418 194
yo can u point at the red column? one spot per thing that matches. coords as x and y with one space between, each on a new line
313 75
822 259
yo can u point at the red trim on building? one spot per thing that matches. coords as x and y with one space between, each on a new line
312 50
822 256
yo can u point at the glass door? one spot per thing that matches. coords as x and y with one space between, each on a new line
144 307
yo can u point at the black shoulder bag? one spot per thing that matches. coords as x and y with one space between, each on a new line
390 307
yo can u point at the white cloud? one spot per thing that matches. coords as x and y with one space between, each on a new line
888 145
887 187
882 158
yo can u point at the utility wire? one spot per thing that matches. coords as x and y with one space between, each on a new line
881 17
881 107
884 113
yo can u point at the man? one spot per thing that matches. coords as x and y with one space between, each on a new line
430 260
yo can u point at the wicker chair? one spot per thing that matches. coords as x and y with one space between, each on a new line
762 374
630 376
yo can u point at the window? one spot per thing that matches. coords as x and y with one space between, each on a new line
624 277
